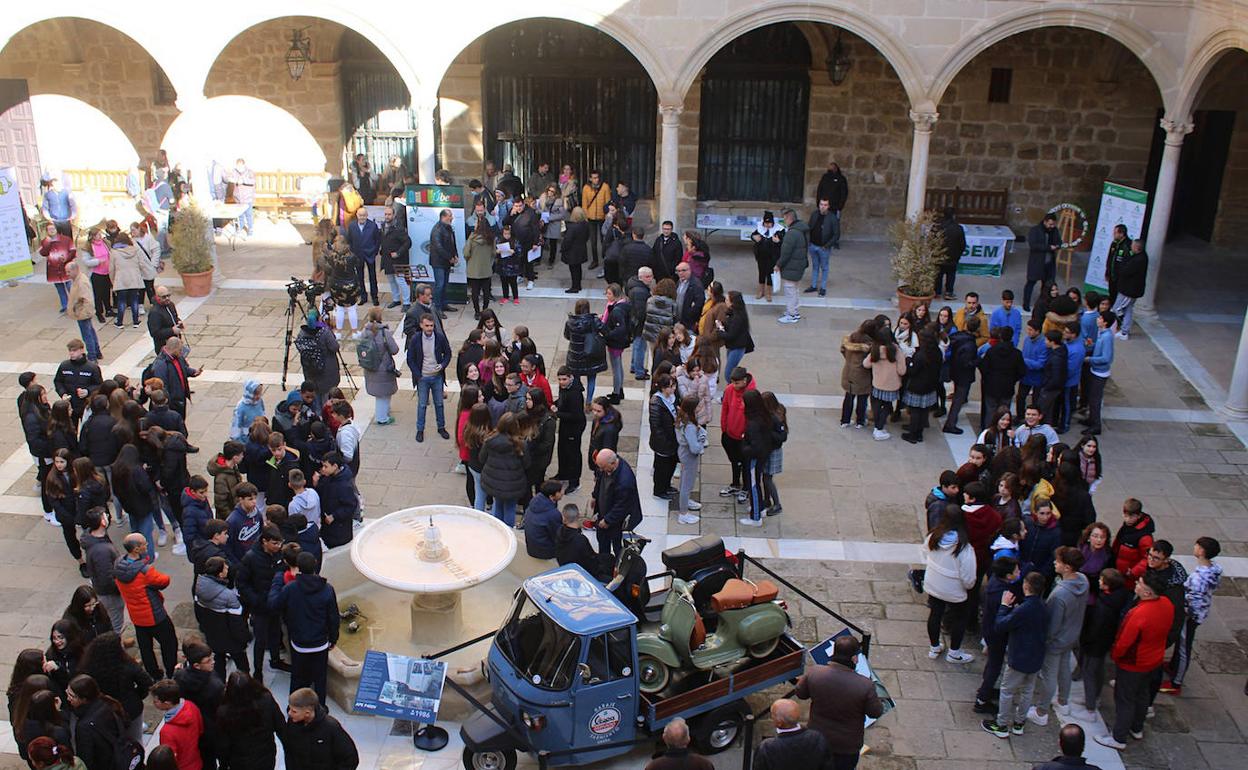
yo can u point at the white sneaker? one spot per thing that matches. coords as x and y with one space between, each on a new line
179 549
694 505
161 538
880 435
957 656
50 518
746 521
934 652
787 319
1121 336
688 518
1108 740
528 286
1036 718
1062 709
1137 736
1152 712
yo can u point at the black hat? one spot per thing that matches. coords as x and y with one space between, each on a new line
769 217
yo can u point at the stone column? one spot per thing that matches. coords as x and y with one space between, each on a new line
1237 402
1163 200
924 122
427 161
669 160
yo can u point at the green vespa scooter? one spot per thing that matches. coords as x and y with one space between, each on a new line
750 624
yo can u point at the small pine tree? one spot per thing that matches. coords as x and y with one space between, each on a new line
918 251
190 240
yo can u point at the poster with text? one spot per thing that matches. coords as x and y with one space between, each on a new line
14 248
1120 205
400 687
425 203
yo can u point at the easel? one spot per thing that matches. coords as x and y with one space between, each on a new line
1066 222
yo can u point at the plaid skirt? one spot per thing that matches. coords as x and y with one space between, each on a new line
922 402
775 462
884 395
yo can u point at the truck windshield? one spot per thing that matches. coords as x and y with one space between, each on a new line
541 650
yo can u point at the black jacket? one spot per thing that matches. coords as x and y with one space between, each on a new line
616 330
504 474
1077 509
138 496
541 448
395 240
338 499
35 426
250 745
962 357
92 494
955 240
166 418
1060 763
1100 626
255 576
177 387
1040 243
638 293
662 428
668 251
802 749
72 375
309 606
542 523
162 323
526 228
834 188
1055 370
1000 369
586 353
1131 275
923 376
574 243
101 555
616 494
322 744
572 546
635 255
98 730
442 245
97 440
129 689
758 442
204 689
605 435
689 311
736 332
278 490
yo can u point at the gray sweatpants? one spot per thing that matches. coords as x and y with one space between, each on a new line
116 608
1054 678
688 478
1016 690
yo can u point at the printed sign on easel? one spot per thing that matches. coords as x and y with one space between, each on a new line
1120 205
14 247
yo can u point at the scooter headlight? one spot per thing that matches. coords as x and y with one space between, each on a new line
534 722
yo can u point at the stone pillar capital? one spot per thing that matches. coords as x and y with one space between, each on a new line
671 113
1176 130
924 122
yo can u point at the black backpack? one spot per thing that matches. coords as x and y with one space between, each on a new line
310 354
127 754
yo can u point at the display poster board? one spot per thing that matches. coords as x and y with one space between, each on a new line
425 203
1119 205
401 687
822 653
986 246
14 248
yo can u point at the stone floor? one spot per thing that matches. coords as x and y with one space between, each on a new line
852 505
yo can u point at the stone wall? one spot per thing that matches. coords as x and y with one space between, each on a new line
254 64
98 65
1082 109
462 119
1227 89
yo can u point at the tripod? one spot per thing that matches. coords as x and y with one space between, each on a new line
291 306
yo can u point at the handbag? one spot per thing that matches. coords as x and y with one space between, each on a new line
775 282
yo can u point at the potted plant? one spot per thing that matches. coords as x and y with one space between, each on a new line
190 241
918 251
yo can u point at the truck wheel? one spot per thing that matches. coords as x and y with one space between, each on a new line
716 731
495 759
652 674
763 649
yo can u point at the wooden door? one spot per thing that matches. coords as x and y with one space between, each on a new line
18 145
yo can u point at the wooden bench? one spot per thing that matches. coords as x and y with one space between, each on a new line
109 183
974 207
279 194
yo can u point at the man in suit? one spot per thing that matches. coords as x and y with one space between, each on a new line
364 238
794 747
615 500
690 296
840 701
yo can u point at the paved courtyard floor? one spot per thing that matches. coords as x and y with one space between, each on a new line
852 505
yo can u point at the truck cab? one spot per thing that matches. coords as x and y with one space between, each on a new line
562 671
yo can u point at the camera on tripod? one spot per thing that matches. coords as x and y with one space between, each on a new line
309 289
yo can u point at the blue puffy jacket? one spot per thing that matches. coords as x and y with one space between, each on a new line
195 514
338 499
541 527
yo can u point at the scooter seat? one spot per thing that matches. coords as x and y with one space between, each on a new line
694 554
737 594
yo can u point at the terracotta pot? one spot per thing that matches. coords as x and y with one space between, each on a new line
907 301
197 284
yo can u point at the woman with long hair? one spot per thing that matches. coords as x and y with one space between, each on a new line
469 396
1008 493
855 379
86 610
539 428
1000 431
575 246
1091 466
470 352
247 722
504 467
944 326
691 442
137 492
495 388
39 718
605 432
1071 497
101 723
775 461
921 383
697 254
587 356
58 486
1094 544
172 476
479 261
570 413
666 351
755 448
476 429
118 676
322 240
61 432
887 366
27 679
492 329
64 653
49 753
735 332
950 576
35 413
91 489
381 382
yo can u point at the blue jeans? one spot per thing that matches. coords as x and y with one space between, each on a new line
399 290
62 291
246 219
147 528
128 298
440 275
426 388
505 510
383 408
591 380
819 259
89 339
638 365
1068 394
478 501
730 362
617 370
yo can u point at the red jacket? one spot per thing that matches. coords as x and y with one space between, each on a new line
1141 642
540 382
182 734
732 411
1131 546
140 583
982 523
